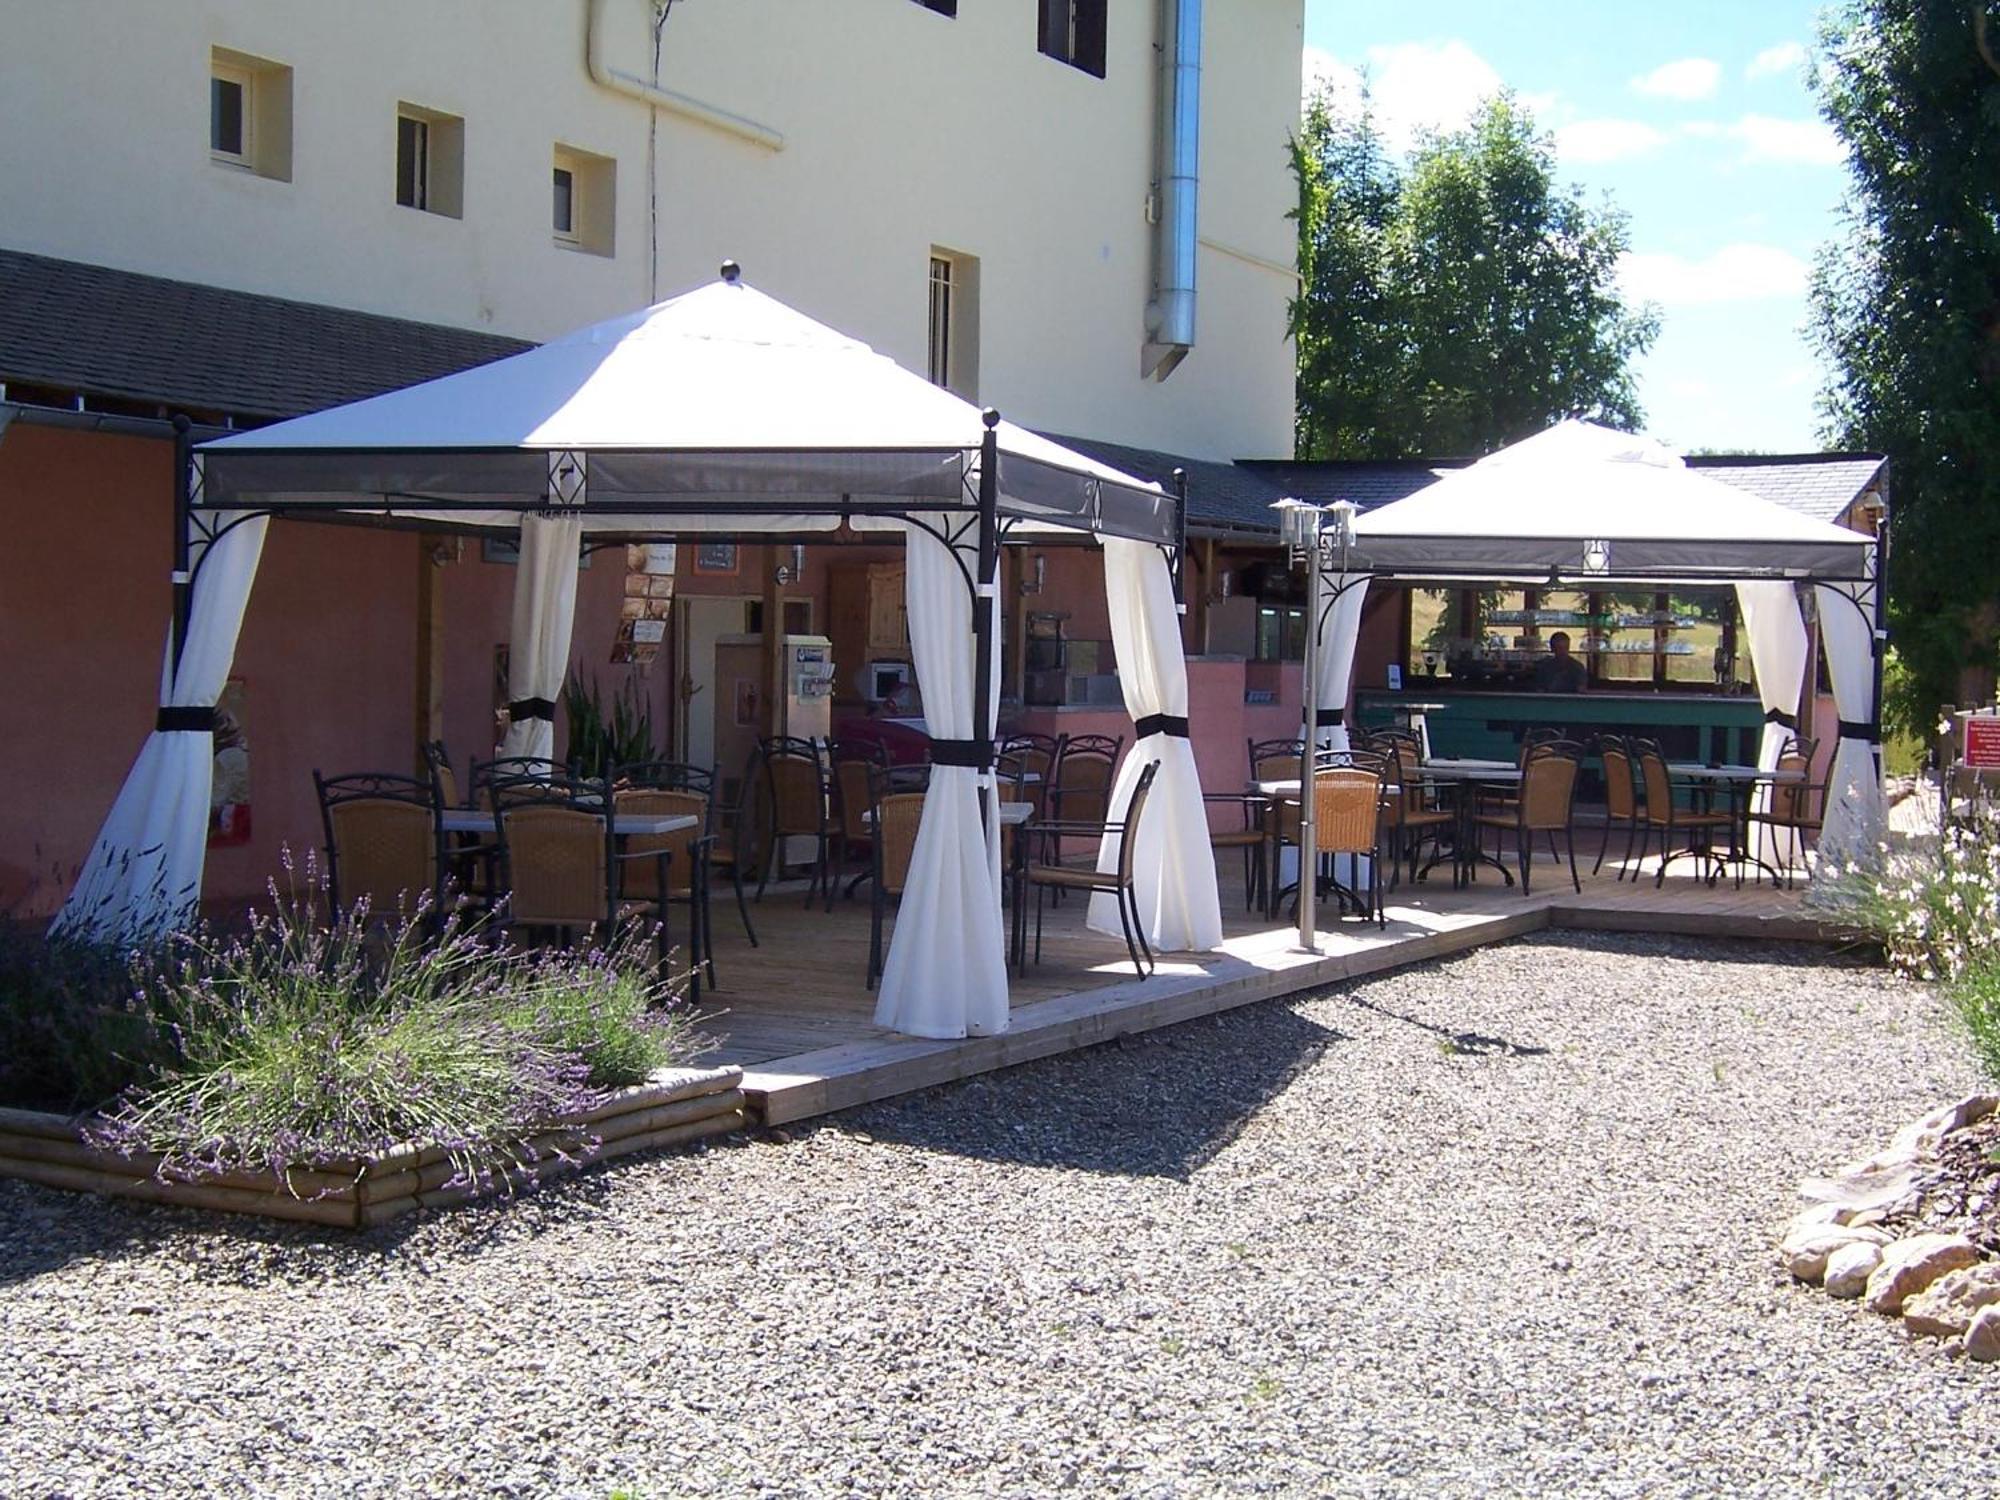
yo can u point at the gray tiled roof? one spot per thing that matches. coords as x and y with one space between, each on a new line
1367 484
1219 494
1820 485
145 338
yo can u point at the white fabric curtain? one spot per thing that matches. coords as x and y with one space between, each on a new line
544 614
1339 631
1777 636
143 875
1173 873
946 973
1855 815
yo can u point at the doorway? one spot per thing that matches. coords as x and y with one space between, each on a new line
701 623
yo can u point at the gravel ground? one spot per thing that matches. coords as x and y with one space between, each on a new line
1502 1224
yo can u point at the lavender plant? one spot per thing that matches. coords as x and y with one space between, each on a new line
303 1041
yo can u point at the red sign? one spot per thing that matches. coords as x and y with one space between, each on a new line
1982 741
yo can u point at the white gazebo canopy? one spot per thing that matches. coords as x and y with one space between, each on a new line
719 412
1584 507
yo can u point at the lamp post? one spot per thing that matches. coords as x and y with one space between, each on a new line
1309 533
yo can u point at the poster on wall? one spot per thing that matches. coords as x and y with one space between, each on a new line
648 601
229 791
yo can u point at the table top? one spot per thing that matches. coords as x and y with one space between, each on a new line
625 825
1420 708
1468 763
1282 788
1688 771
1496 771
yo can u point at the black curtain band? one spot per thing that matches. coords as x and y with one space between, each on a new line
1779 716
523 709
1867 733
978 754
185 721
1329 718
1172 724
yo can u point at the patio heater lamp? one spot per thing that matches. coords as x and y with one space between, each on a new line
1303 530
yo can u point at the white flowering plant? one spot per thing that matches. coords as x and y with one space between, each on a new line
1934 903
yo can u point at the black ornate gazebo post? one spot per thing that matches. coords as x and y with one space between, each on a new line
183 578
985 599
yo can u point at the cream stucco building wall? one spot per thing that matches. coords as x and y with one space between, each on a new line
903 130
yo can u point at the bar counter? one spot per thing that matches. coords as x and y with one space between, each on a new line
1487 723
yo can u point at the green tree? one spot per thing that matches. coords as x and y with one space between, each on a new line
1907 309
1456 303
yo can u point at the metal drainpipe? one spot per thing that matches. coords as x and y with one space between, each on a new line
632 86
1170 314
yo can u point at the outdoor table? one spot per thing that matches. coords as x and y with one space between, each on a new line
1736 781
1466 777
1415 717
623 825
1012 815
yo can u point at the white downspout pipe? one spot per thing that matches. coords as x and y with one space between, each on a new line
605 76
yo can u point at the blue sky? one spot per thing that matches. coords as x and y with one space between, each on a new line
1697 120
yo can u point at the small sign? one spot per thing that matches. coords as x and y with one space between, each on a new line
1982 741
1395 677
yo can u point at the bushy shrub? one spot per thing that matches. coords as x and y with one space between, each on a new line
302 1041
1976 995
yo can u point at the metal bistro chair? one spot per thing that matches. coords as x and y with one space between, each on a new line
893 818
1348 815
473 860
563 870
384 844
1080 787
664 788
1034 756
482 774
1275 760
849 762
1547 804
1661 816
1115 882
1621 800
794 778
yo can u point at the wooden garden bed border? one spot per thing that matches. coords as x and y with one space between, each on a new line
674 1107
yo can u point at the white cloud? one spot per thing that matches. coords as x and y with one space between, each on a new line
1786 57
1689 79
1415 86
1735 273
1606 140
1766 140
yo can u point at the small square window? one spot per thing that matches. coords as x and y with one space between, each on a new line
430 161
583 203
250 113
1073 31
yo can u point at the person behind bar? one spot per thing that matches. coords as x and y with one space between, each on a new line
1559 672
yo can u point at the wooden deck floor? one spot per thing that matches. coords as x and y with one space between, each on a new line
795 1014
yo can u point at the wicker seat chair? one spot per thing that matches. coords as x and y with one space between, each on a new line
1349 813
1057 876
1410 813
472 860
1546 805
1683 833
562 867
893 818
671 789
796 802
1797 807
384 844
1621 800
849 762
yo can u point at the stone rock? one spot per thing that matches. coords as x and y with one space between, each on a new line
1910 1265
1849 1267
1804 1252
1982 1339
1921 1137
1948 1305
1865 1186
1817 1215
